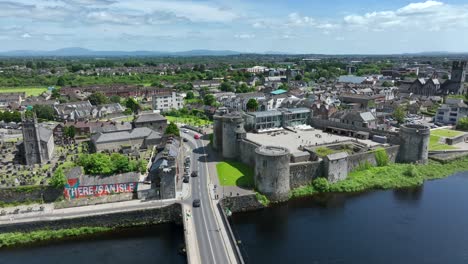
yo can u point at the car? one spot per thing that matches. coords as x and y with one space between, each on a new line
186 179
194 174
196 136
196 203
185 140
185 131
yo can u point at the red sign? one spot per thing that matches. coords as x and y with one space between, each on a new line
72 191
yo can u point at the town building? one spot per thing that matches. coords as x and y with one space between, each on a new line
11 100
135 139
153 121
450 112
167 101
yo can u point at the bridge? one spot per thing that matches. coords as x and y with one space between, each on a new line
208 236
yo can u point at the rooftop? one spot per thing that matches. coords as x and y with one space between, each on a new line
292 141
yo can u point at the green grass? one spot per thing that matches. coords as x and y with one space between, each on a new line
393 176
434 144
446 133
18 238
194 121
231 173
30 91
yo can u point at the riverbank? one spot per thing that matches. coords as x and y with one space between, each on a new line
24 238
30 232
392 176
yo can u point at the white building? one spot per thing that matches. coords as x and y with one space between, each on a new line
450 112
167 101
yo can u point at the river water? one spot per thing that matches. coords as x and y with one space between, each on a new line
156 244
428 224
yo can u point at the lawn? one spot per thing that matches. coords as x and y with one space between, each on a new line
446 133
434 144
231 173
30 91
194 121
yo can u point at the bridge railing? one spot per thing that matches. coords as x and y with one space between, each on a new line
232 238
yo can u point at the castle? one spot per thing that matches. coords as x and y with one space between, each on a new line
277 170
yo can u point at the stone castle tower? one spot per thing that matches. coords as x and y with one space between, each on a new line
414 144
31 140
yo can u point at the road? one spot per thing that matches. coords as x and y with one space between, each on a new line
210 243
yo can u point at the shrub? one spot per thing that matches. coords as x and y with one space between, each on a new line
58 180
262 199
320 184
411 171
381 157
363 166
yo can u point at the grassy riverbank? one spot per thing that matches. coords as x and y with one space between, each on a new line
393 176
21 238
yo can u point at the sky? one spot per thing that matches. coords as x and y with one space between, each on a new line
293 26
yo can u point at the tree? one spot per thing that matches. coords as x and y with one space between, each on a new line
209 100
387 84
70 132
400 114
252 105
61 81
115 99
45 112
96 164
463 123
58 179
133 105
98 98
226 87
190 95
172 129
120 162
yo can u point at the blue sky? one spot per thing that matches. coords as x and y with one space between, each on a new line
295 26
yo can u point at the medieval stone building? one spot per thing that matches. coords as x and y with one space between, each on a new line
38 141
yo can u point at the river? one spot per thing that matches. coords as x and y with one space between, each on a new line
155 244
428 224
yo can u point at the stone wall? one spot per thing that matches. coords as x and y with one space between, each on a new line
171 213
360 158
94 200
456 140
303 173
30 193
247 152
242 203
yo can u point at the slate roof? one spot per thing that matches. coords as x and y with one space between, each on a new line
151 117
45 134
137 133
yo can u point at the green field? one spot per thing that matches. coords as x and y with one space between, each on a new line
231 173
434 144
189 120
446 133
30 91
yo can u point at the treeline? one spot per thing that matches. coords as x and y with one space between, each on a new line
104 164
10 116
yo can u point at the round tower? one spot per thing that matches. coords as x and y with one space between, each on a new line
414 143
272 172
233 131
218 128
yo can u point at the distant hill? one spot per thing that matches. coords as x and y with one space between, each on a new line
81 52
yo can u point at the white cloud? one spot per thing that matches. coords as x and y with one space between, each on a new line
26 35
415 16
294 19
244 36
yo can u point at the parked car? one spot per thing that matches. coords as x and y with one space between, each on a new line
194 174
185 131
196 136
185 140
196 203
186 179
